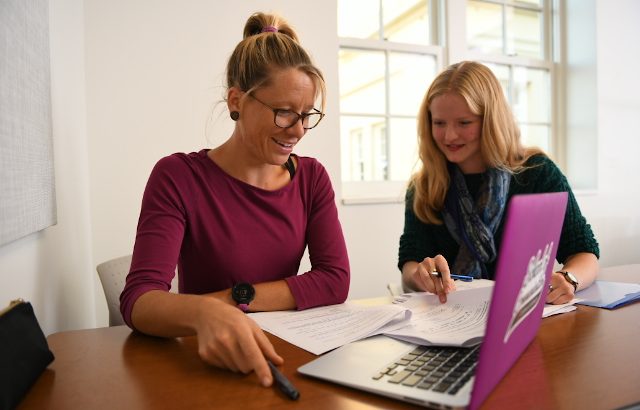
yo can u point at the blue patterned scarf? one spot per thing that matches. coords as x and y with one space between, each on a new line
473 225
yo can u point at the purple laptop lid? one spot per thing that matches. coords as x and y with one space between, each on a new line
525 260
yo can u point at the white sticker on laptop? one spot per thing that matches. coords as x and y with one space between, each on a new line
531 289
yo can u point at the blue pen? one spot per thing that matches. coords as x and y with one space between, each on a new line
463 278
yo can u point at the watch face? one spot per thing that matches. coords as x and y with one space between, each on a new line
243 293
571 277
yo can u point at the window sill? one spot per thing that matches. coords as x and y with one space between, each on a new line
371 201
400 200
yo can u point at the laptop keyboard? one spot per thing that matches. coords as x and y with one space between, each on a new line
439 368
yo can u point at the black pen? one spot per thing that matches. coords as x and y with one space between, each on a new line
283 383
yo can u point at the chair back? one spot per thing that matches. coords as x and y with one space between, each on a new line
113 274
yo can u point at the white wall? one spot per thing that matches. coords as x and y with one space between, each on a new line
579 113
614 210
53 268
134 81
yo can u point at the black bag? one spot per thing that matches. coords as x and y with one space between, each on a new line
24 352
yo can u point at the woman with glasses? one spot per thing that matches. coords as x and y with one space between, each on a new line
472 162
236 219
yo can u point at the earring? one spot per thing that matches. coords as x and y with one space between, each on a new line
234 115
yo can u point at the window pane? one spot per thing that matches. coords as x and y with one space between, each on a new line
403 150
484 27
502 74
524 32
536 135
362 83
529 2
532 95
409 78
359 18
364 148
406 21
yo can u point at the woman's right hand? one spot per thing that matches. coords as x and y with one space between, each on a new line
421 277
228 338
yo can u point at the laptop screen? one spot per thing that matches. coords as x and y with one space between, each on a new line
526 258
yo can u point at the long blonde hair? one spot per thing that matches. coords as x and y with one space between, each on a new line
269 43
500 142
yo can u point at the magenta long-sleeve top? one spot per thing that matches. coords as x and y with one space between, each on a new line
220 231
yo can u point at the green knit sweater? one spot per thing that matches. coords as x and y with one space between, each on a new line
420 240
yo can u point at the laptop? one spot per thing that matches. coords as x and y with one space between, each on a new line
459 377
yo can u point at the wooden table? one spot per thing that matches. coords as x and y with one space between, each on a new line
586 359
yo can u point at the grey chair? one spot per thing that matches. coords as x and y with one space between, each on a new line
112 274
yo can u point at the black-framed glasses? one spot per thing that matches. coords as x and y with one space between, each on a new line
287 118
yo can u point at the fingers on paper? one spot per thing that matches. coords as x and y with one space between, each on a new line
433 276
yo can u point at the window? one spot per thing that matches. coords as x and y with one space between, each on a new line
386 62
499 27
390 51
513 39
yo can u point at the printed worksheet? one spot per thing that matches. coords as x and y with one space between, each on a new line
461 321
322 329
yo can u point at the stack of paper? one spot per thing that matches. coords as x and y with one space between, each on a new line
419 318
414 317
324 328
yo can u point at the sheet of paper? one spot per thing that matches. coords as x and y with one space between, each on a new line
322 329
550 310
460 321
474 284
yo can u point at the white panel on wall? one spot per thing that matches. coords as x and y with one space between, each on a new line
27 192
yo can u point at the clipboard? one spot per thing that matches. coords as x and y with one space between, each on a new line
609 295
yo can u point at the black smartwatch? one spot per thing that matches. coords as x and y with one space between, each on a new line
243 294
571 278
